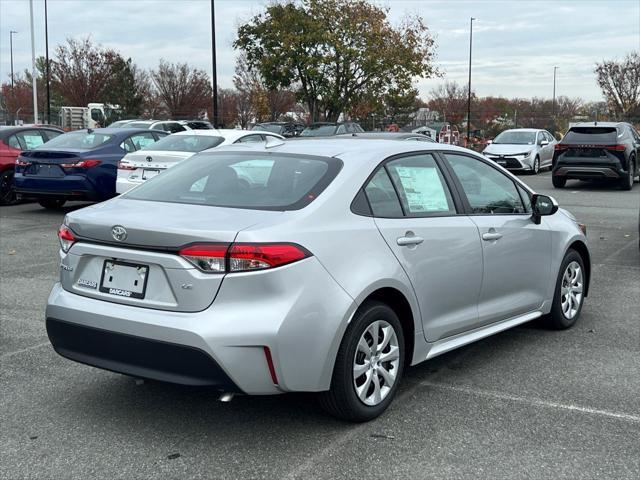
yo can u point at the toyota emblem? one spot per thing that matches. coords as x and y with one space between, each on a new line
148 159
119 233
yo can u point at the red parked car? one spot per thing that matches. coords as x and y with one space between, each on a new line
14 140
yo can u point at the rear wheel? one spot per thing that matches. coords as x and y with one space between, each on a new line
626 183
52 203
368 366
569 293
558 182
7 191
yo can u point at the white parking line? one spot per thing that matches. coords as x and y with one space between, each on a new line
531 401
33 347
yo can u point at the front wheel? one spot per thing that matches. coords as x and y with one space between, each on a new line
569 292
558 182
368 366
52 203
536 166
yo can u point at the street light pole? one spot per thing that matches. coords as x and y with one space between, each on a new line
213 62
46 43
11 47
469 86
553 108
33 65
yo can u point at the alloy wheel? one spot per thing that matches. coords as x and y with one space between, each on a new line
571 290
376 363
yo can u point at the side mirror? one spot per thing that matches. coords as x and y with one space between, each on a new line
542 205
544 142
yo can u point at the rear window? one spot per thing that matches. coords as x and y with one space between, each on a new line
80 140
260 181
591 135
185 143
268 127
200 126
318 131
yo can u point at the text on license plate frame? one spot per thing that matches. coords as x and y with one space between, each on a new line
120 292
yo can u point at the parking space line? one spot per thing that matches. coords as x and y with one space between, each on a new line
26 349
532 401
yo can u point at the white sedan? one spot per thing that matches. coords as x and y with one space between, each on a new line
136 167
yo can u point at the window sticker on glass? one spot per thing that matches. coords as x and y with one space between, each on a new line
32 140
423 189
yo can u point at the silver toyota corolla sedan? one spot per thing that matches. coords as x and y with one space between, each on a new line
322 266
526 149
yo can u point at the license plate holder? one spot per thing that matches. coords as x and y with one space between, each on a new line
148 173
124 279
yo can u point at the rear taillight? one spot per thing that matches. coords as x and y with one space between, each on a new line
66 237
89 163
615 148
559 147
125 166
21 162
242 257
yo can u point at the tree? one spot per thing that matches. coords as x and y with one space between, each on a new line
620 84
335 52
128 87
450 100
184 91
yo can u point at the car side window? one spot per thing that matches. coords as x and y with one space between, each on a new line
382 196
421 187
141 140
250 139
488 190
50 134
13 142
174 127
30 139
526 199
341 130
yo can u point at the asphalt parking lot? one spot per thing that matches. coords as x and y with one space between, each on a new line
527 403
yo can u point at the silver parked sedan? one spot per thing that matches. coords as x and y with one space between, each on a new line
319 266
527 149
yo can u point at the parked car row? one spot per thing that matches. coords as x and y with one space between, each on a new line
588 151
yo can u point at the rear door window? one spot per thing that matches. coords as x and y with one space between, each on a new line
250 139
258 181
382 196
421 186
13 142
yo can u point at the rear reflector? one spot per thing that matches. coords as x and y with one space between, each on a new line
272 369
242 257
66 237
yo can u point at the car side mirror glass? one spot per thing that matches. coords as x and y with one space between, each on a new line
543 205
544 142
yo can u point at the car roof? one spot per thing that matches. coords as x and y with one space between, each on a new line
353 149
226 133
524 130
384 135
597 124
7 130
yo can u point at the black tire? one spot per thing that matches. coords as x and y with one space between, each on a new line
341 400
536 166
52 203
7 192
558 182
557 320
626 183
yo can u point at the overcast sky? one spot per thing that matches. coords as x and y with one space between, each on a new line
516 42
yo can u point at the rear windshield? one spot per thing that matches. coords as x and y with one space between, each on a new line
591 134
318 131
185 143
199 126
80 140
259 181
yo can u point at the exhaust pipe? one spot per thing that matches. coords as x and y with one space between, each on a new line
226 397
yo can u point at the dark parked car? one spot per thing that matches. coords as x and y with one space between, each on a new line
286 129
13 140
597 150
79 165
329 129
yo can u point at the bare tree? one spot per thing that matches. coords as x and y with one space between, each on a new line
450 100
184 91
620 84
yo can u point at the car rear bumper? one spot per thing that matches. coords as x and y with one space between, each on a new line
299 312
588 172
72 187
136 356
124 185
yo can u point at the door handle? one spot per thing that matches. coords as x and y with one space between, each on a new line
491 235
409 240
